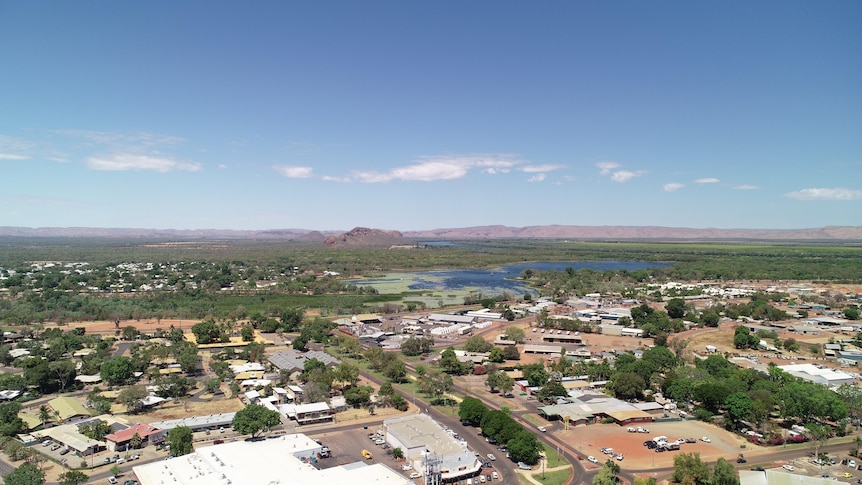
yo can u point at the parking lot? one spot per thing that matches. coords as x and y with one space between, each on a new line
346 447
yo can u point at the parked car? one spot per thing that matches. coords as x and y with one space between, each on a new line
482 479
543 429
406 467
491 457
415 475
705 439
788 467
620 457
112 480
592 459
851 463
494 474
46 443
55 447
65 450
524 466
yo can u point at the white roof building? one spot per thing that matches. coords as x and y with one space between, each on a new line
818 375
284 460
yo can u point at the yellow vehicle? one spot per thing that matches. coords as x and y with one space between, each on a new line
367 454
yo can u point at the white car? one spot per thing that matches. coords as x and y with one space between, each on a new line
524 466
406 467
415 475
788 467
851 463
592 459
543 429
705 439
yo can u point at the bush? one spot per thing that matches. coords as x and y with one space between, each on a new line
703 414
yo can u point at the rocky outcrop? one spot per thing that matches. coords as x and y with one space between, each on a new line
363 236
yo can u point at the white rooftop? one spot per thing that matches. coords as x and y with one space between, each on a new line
262 462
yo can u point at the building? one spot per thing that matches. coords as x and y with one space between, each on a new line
420 437
69 409
122 440
818 375
294 361
197 423
594 407
778 476
284 460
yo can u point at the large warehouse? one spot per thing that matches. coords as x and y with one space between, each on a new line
282 460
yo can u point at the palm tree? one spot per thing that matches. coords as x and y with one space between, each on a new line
44 414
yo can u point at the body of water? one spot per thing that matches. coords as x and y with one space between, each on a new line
488 281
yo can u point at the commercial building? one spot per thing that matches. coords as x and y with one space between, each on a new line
431 448
284 460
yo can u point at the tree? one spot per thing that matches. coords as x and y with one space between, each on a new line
44 414
472 409
181 440
523 445
397 453
247 333
254 418
607 475
132 397
118 370
449 362
724 473
515 333
675 308
510 352
208 331
136 441
690 469
10 423
26 474
851 313
627 385
477 344
73 477
496 355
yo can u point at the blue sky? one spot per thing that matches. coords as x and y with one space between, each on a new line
420 115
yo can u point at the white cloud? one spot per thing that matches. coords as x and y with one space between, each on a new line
125 162
825 194
111 138
708 180
621 176
606 167
672 187
429 169
222 166
12 156
746 187
541 168
294 172
539 177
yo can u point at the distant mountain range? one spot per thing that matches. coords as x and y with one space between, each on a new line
375 237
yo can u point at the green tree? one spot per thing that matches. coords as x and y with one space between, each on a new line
851 313
73 477
627 385
208 331
449 362
472 409
181 440
477 344
690 469
510 352
397 453
496 355
118 370
523 446
132 397
675 308
254 418
607 475
247 333
10 423
515 333
724 473
44 414
26 474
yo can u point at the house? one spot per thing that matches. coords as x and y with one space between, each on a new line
294 360
68 409
121 440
